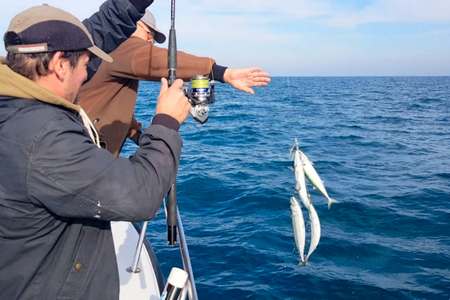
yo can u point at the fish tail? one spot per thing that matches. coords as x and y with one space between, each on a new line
331 202
303 263
307 258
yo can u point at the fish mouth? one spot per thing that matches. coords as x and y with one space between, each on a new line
294 147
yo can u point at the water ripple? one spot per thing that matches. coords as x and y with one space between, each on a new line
382 146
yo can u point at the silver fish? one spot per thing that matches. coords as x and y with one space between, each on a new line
314 224
314 178
299 169
315 230
300 181
298 226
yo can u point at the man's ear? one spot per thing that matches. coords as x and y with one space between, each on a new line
59 65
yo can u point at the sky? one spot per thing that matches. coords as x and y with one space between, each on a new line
301 37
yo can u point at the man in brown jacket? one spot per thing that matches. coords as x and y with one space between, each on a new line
109 97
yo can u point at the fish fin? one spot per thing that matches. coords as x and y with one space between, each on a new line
331 202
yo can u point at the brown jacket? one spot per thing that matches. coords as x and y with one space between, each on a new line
110 96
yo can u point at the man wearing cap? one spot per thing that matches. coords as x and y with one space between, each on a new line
58 189
110 97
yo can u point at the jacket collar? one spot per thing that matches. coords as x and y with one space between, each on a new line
18 86
15 85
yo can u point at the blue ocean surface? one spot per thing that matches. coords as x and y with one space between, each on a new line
382 146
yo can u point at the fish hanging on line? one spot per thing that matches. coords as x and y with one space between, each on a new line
315 230
312 175
300 182
297 216
298 226
314 178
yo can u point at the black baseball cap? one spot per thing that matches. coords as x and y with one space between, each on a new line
45 28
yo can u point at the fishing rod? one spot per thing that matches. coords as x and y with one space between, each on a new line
172 53
200 95
172 198
172 66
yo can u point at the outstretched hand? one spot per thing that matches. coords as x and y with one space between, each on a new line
245 79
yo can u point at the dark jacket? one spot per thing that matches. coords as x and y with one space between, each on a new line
110 97
58 192
112 24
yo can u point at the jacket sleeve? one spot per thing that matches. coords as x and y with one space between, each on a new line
148 62
112 24
72 177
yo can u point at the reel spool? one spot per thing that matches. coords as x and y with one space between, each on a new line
200 94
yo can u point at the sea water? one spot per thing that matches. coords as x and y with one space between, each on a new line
382 146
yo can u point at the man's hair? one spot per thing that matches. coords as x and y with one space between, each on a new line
35 65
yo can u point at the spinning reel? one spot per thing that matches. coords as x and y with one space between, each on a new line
200 94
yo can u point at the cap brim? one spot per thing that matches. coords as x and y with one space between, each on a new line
100 54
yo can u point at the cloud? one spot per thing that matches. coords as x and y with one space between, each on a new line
307 36
298 9
326 12
295 36
394 11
